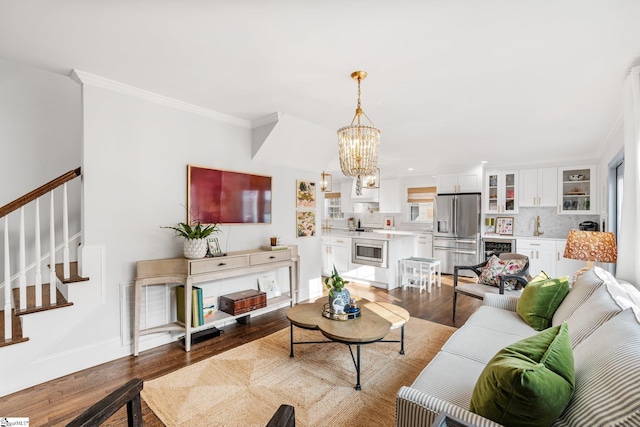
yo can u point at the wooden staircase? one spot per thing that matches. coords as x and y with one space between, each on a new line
61 302
20 299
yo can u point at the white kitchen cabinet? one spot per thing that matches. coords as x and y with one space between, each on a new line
538 187
333 206
542 255
566 266
577 190
335 251
501 192
390 196
463 182
424 246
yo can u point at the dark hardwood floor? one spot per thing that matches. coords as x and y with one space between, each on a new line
59 401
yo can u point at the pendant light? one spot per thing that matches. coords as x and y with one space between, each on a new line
325 182
372 181
358 143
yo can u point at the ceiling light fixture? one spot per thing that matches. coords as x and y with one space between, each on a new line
326 182
358 144
373 181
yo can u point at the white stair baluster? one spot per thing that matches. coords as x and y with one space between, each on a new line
65 234
22 277
8 321
52 257
38 255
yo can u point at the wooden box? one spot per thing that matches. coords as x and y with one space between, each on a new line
243 302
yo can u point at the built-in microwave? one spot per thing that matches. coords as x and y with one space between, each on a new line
370 252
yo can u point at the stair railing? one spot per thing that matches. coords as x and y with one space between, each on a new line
20 203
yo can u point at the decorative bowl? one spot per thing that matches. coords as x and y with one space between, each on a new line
576 177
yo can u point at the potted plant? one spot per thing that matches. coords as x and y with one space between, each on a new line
339 296
195 243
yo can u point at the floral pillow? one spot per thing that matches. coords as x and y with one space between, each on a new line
496 267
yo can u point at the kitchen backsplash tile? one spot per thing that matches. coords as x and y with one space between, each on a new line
552 224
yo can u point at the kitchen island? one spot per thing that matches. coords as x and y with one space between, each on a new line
366 257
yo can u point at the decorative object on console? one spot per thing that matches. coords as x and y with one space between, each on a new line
243 302
504 225
358 144
339 296
305 194
326 182
195 243
269 285
590 246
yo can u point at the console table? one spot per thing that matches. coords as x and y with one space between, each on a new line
189 272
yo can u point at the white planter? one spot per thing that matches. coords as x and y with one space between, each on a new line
195 248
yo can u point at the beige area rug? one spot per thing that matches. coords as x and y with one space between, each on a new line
246 385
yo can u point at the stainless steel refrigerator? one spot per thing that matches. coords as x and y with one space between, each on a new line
456 234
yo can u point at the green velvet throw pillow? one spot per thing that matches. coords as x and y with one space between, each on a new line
540 299
528 383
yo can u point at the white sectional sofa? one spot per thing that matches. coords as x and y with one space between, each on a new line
604 330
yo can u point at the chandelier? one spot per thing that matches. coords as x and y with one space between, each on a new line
358 144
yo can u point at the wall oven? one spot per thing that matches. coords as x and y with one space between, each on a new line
370 252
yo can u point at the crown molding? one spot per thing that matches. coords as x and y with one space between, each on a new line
86 78
269 118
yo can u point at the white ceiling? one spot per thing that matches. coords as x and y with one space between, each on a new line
451 82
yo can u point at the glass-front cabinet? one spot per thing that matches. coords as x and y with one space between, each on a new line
501 192
333 206
576 190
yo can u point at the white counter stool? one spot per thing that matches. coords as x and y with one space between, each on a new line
429 269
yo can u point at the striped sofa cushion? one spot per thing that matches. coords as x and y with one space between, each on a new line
588 305
607 374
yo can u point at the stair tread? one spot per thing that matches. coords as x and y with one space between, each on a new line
73 276
31 300
16 331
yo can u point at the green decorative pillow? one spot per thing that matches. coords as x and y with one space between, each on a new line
528 383
540 299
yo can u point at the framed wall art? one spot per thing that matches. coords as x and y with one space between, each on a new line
305 223
504 225
227 197
269 285
305 194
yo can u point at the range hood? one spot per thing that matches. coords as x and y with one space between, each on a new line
369 195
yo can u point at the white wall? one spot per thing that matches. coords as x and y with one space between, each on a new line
40 136
135 160
135 152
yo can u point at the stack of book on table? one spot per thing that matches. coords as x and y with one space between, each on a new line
202 308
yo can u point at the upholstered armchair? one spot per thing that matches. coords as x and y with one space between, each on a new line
511 279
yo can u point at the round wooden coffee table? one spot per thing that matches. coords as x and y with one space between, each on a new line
374 323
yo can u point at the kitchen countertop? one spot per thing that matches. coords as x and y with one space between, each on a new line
499 237
375 235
